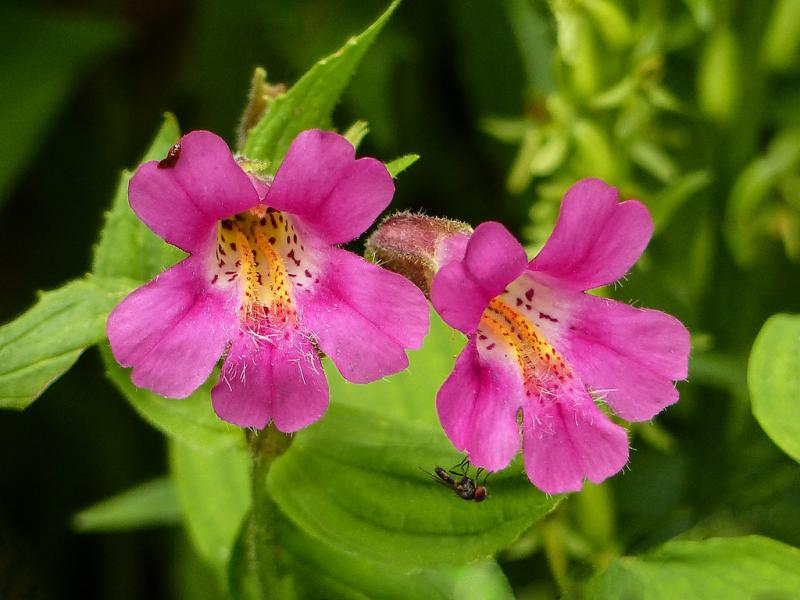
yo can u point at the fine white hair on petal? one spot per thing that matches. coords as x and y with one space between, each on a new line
298 364
601 394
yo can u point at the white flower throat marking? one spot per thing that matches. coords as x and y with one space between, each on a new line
261 249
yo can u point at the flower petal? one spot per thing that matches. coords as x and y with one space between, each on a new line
457 298
363 316
451 248
173 330
461 290
182 202
260 381
494 257
630 355
337 196
596 239
569 439
478 406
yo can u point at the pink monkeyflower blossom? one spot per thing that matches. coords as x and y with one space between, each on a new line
264 283
540 345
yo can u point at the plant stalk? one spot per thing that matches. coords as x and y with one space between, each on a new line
263 549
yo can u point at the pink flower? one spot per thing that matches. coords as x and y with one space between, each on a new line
264 283
538 343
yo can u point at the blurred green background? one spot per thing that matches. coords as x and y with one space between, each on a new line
694 107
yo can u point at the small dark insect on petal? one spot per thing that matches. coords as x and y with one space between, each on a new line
172 157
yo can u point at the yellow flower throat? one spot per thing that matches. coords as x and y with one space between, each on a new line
261 248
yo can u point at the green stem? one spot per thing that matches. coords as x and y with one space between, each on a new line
262 545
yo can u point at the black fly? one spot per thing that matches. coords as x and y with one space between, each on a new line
462 484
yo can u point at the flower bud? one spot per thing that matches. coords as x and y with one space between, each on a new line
416 246
261 95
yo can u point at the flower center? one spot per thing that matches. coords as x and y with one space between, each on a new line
507 327
261 249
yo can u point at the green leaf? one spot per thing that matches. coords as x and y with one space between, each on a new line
190 421
411 394
357 478
310 102
127 247
782 37
719 75
213 491
611 21
520 174
191 575
669 201
594 149
654 159
550 153
750 211
44 342
511 131
356 133
323 570
740 568
704 12
773 377
148 504
398 165
42 59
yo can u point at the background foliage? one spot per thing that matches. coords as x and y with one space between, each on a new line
690 106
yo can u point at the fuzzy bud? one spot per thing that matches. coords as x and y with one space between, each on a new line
261 96
416 246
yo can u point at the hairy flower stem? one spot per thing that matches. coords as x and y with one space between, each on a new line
263 549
